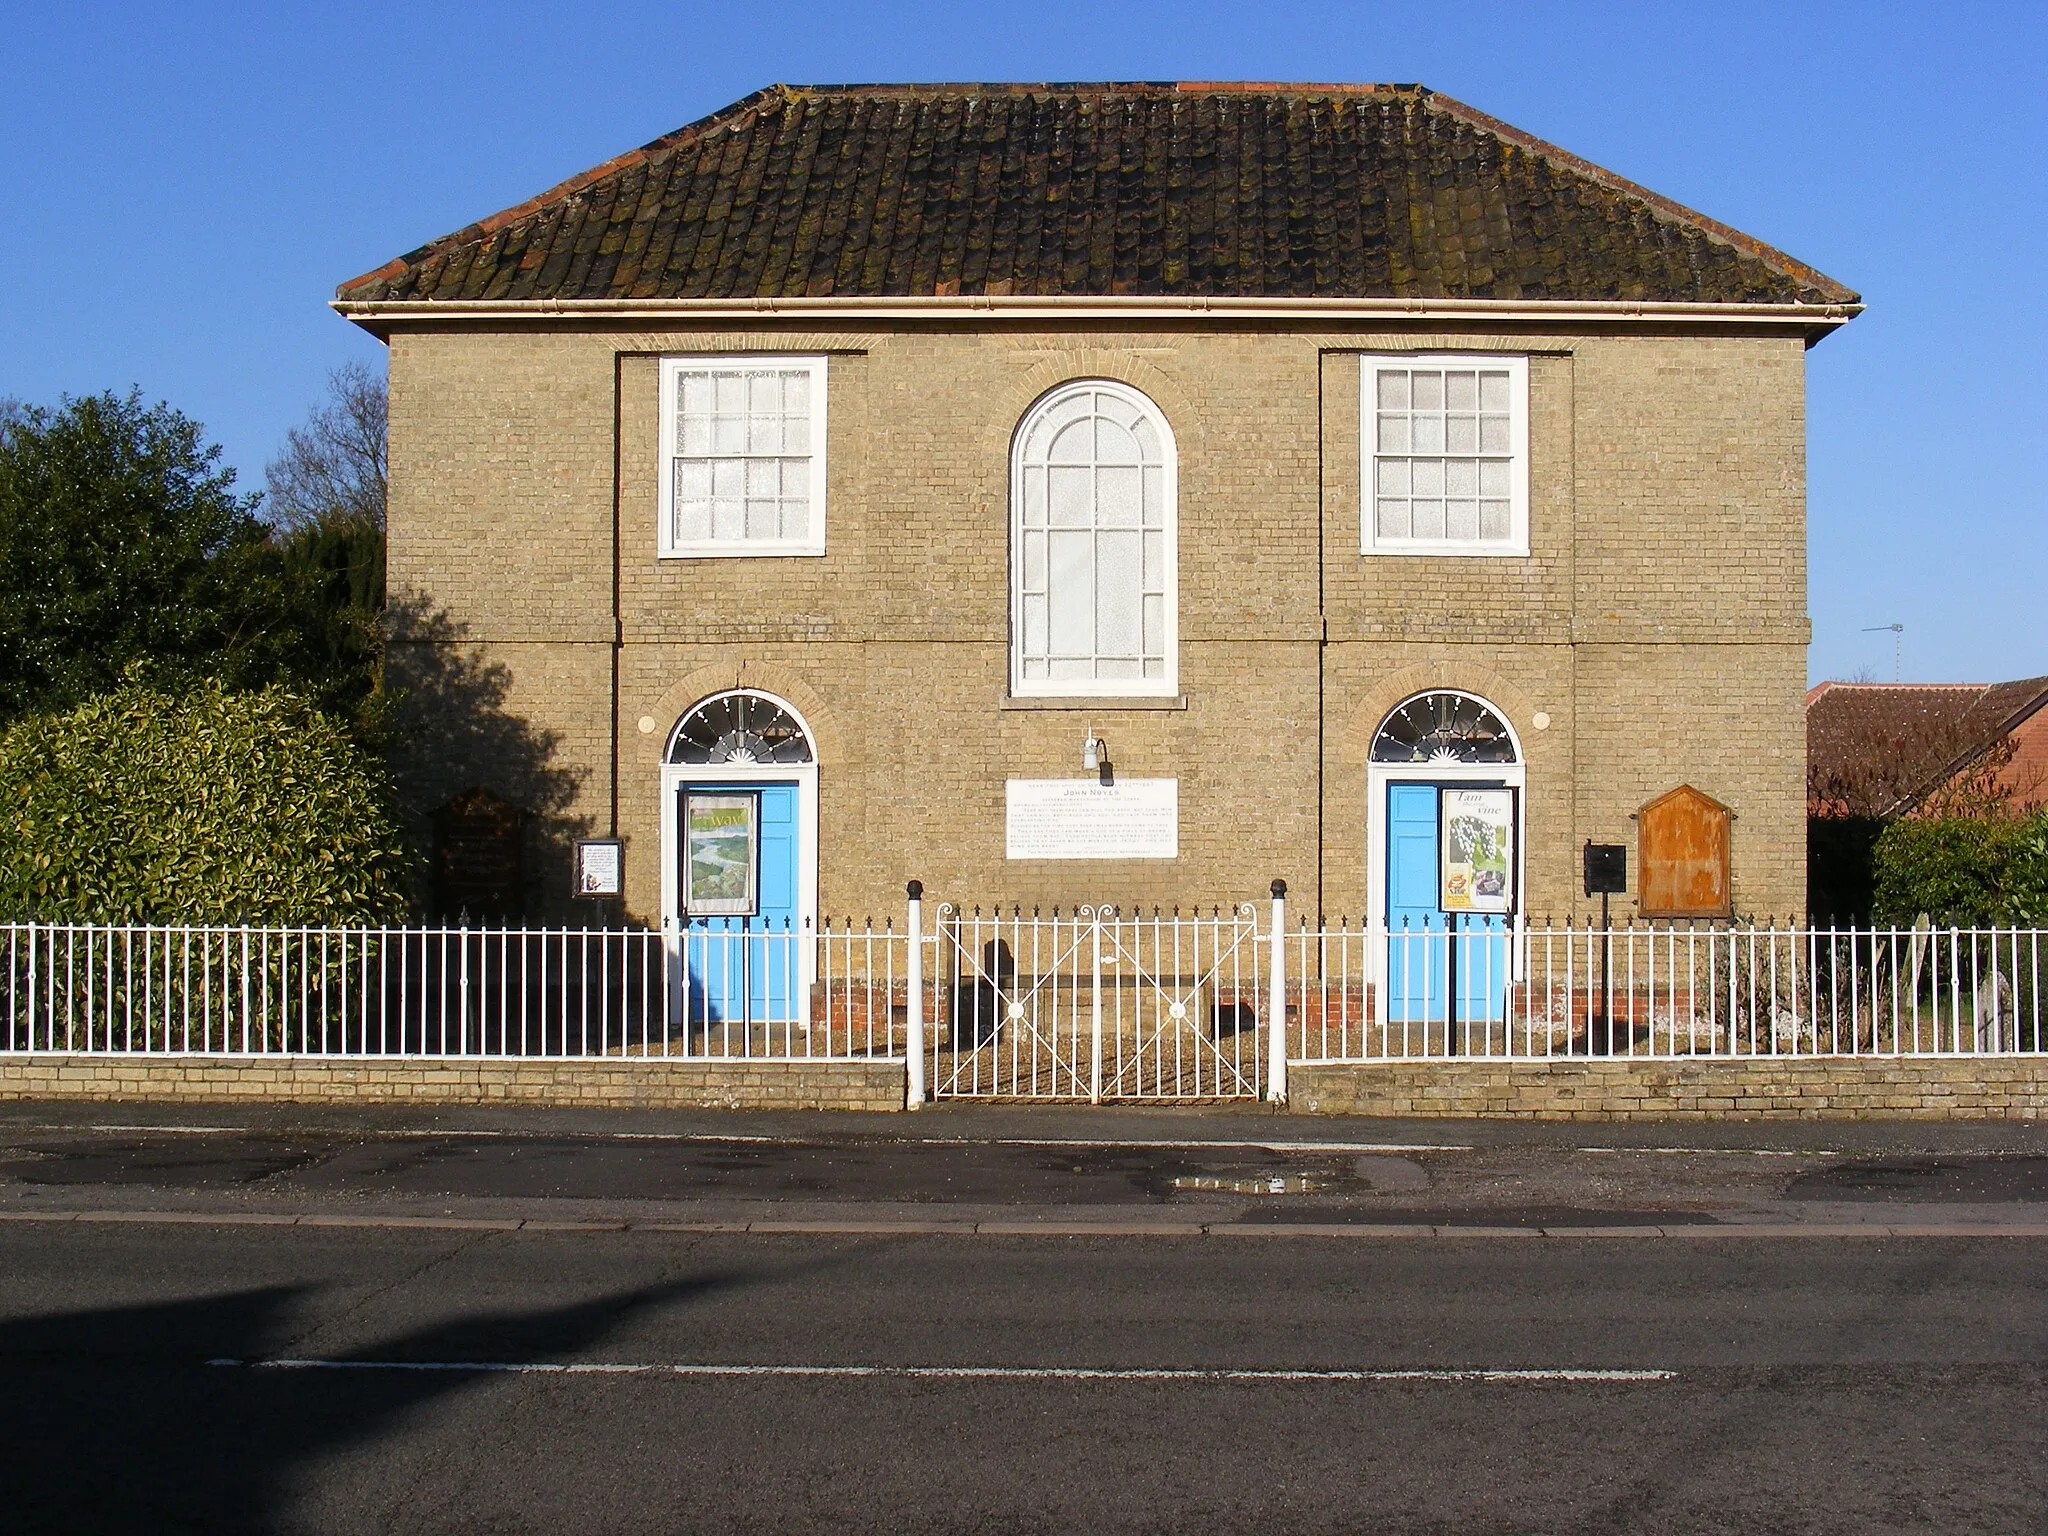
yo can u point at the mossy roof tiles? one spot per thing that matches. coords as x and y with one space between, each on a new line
1189 190
1908 738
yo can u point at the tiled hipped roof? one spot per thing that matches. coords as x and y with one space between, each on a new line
1875 748
1184 190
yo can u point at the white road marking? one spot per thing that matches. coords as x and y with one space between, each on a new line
173 1130
1202 1146
961 1372
1736 1151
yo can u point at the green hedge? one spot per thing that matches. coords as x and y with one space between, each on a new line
1971 870
201 806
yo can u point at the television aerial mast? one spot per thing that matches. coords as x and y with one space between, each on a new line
1898 642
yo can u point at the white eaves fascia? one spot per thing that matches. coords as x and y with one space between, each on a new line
375 314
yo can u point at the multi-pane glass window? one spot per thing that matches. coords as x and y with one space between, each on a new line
1093 545
743 441
1446 461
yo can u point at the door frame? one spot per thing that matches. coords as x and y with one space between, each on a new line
1378 776
674 777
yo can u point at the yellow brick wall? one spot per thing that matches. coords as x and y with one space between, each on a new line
1659 621
1813 1088
1933 1088
594 1084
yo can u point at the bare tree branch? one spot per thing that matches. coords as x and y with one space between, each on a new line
334 465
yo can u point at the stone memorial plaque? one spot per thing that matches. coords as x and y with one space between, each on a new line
1081 819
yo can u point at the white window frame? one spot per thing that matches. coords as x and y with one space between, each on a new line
672 369
1166 686
1370 541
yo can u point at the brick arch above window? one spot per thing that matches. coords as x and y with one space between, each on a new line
741 726
829 742
1370 707
1185 410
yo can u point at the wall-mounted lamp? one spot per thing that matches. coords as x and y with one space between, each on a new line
1093 751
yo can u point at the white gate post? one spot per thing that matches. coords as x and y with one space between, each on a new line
1276 1003
914 926
1095 1011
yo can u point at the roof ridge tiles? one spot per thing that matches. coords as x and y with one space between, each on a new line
995 88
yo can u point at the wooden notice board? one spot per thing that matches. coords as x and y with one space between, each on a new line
1682 855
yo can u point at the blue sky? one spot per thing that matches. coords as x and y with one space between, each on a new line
184 184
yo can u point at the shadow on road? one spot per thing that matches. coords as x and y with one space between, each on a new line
112 1420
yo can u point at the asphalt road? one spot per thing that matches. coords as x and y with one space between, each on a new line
1815 1385
531 1323
1129 1171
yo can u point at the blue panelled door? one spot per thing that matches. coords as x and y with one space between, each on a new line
748 969
1431 954
1416 958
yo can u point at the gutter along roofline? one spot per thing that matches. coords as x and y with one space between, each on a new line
380 316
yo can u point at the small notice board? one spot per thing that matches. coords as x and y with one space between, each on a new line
598 866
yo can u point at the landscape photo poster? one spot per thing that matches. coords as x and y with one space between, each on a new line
1478 850
721 854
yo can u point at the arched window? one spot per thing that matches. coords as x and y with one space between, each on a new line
1092 545
740 727
1443 727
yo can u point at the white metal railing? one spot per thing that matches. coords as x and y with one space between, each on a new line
1088 1004
716 989
1511 990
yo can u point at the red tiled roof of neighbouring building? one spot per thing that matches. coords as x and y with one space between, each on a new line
2026 775
1877 748
1194 189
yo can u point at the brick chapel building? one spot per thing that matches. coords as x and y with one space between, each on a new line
1097 493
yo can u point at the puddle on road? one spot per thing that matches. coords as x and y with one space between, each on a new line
182 1164
1262 1184
1984 1179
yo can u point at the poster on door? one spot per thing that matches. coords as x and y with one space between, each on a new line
721 855
1478 863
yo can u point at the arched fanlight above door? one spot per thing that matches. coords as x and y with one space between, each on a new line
740 728
1444 727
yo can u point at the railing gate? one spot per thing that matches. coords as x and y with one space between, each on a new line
1097 1005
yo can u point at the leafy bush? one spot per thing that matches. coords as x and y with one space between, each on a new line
145 804
1972 870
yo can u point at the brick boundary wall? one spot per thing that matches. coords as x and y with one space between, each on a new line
1926 1088
592 1083
1813 1088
